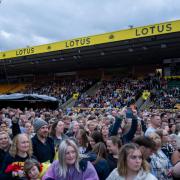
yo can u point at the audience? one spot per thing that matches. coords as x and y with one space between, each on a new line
104 137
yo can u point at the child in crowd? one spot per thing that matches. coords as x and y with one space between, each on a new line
32 169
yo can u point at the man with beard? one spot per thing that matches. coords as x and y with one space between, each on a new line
43 146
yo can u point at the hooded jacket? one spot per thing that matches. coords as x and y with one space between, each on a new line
73 174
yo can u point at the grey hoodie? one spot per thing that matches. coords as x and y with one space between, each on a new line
142 175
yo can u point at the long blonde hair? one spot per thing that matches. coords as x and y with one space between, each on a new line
100 150
63 168
14 150
122 159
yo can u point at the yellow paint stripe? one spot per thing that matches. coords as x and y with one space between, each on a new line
145 31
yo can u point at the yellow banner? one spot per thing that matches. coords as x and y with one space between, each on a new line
156 29
172 77
177 106
146 94
75 96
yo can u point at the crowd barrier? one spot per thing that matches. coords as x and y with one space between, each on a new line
94 109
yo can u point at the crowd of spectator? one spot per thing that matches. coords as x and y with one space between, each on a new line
89 144
166 98
60 89
114 93
105 138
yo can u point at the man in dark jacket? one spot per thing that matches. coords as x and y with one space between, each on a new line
113 144
43 146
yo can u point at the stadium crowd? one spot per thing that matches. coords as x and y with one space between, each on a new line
60 89
89 144
104 137
166 98
114 93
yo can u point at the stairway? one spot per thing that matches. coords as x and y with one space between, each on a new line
91 91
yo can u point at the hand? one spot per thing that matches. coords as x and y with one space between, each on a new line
114 113
15 118
87 129
18 173
119 113
134 112
123 111
123 124
170 172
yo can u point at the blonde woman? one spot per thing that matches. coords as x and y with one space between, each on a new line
69 166
5 143
131 165
20 150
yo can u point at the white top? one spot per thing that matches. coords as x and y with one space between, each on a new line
142 175
149 131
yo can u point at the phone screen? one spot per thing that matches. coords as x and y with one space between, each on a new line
129 113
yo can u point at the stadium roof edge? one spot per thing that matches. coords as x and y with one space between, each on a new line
126 34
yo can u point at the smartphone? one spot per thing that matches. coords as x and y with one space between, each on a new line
129 113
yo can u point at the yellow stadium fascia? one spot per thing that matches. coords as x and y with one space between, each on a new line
144 31
172 77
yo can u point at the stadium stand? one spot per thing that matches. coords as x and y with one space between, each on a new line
105 128
11 88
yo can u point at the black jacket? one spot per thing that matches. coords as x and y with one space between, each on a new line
102 166
43 151
126 138
2 156
112 162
